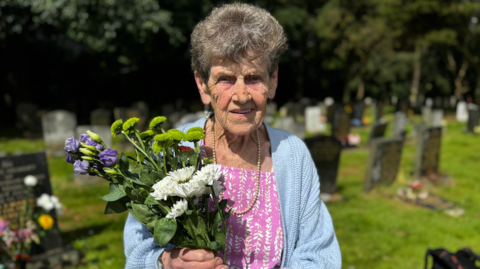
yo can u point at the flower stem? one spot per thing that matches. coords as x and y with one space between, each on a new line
221 215
140 149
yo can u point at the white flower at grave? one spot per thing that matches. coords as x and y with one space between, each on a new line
30 181
48 202
209 174
178 209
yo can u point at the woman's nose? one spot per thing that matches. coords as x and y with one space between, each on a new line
241 92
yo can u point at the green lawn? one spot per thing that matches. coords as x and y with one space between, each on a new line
375 230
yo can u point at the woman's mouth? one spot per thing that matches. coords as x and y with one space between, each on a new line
241 112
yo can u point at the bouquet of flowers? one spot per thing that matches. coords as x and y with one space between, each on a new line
167 186
17 237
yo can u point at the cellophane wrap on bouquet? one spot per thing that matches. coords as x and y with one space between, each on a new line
166 186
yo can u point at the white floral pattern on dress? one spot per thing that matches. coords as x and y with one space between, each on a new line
255 239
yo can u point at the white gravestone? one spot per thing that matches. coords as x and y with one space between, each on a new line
313 120
462 112
58 125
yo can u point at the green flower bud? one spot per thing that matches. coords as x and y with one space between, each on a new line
162 137
87 158
147 134
157 148
88 152
196 129
117 127
130 124
95 137
177 135
92 148
75 156
194 136
207 160
157 122
110 171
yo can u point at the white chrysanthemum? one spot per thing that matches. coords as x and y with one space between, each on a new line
45 202
183 174
209 174
163 188
217 187
178 209
30 181
192 188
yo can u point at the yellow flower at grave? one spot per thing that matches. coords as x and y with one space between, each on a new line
46 221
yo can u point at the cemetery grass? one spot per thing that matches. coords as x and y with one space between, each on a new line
376 230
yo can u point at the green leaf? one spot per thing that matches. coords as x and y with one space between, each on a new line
115 193
146 178
115 207
192 157
151 201
131 193
220 238
216 246
151 226
217 224
164 230
123 163
144 213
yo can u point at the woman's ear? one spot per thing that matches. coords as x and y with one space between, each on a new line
202 89
273 84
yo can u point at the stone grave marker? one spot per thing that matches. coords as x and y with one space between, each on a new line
427 115
313 120
462 112
341 123
13 170
101 116
437 117
325 151
453 101
473 117
399 124
58 125
383 162
357 114
378 131
427 151
288 124
125 113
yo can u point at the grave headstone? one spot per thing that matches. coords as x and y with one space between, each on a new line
101 116
462 112
399 124
13 170
27 119
437 117
394 100
473 117
57 125
429 102
357 114
379 110
325 151
341 123
126 113
383 162
427 151
313 120
453 101
378 131
271 108
288 124
427 115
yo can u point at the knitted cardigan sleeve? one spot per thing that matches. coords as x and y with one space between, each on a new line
141 250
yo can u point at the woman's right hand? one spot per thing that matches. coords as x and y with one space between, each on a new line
190 259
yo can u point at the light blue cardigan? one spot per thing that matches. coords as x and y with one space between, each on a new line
309 236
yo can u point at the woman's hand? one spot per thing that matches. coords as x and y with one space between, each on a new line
190 259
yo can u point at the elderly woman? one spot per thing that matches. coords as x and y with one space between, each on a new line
272 186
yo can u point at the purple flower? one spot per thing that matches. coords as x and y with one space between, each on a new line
84 137
90 142
80 167
3 225
95 166
72 145
69 158
109 157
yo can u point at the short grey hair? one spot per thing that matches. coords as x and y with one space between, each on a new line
237 32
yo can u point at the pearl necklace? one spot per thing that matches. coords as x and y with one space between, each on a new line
257 183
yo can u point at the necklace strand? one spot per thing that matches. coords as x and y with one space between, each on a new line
257 182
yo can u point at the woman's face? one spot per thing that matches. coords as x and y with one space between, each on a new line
238 93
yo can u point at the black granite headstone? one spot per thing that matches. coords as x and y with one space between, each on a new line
473 117
378 110
341 123
383 162
325 151
378 131
13 170
358 108
427 152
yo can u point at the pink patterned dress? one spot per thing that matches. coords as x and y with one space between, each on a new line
254 239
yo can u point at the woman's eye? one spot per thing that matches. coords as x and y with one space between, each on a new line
223 79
